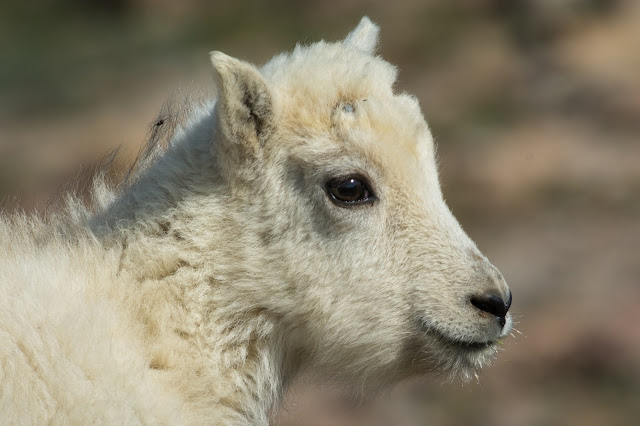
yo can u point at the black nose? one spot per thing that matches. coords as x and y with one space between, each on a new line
494 304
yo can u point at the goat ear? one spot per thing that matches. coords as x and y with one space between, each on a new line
244 105
364 37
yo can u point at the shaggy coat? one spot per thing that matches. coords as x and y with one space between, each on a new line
295 223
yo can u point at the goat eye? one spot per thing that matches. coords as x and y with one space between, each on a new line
349 191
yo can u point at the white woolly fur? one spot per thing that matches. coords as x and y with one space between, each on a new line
197 290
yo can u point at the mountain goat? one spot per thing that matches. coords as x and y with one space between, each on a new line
295 223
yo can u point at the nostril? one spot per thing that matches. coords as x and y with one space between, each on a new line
491 303
509 300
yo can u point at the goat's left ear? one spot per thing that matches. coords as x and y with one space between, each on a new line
244 105
364 37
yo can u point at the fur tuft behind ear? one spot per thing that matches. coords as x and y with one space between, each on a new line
364 37
244 105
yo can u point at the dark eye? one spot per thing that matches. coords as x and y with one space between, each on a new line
349 191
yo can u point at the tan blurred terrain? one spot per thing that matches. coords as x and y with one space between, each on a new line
535 106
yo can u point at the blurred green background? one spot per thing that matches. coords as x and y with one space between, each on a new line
535 105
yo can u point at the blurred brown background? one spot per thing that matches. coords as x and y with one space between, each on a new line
535 105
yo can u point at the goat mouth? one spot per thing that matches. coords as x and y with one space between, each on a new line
454 357
472 346
458 344
461 344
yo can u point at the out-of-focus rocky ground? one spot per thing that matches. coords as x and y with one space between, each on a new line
535 106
